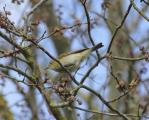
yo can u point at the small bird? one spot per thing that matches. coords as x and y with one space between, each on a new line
71 60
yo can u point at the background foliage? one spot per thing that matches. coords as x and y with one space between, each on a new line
111 84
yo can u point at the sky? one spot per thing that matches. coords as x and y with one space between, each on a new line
99 35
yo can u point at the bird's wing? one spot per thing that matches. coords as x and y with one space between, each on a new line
73 52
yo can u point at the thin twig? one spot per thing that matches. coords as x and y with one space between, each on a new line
106 113
89 26
147 3
138 10
126 59
91 69
18 70
118 98
119 27
105 102
36 7
13 43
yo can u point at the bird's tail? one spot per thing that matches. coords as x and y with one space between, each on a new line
99 45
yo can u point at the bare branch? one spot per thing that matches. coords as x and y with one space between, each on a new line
119 27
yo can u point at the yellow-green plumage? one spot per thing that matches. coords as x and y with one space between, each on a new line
72 60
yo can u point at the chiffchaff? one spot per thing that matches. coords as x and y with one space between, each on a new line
72 60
